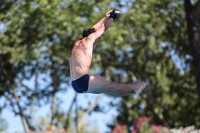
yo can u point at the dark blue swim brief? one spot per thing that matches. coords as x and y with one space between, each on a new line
81 84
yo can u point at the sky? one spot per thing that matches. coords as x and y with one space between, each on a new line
15 124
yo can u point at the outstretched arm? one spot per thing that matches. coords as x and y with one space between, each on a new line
92 37
99 24
107 24
103 20
101 31
95 43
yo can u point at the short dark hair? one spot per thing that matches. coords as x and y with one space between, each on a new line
88 31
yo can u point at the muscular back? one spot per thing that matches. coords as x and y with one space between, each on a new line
80 59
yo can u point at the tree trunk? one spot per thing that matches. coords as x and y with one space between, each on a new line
16 97
53 109
55 89
23 118
192 14
85 114
69 111
1 2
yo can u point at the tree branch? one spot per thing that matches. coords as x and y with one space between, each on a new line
23 118
132 76
70 108
55 89
92 106
11 104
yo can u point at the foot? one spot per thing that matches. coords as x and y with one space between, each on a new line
139 86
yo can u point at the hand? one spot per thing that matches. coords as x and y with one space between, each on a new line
108 13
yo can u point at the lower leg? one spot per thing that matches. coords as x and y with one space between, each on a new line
99 84
115 89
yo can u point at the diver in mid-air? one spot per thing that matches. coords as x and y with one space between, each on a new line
80 61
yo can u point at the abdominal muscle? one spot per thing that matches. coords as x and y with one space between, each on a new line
80 61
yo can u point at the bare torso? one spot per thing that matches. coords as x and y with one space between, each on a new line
80 59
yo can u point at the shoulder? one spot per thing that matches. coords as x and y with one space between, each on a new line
77 42
85 42
91 38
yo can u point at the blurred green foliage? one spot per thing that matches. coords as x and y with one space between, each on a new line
160 56
147 42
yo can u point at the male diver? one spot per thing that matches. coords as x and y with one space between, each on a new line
80 61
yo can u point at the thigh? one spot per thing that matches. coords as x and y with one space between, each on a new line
98 84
